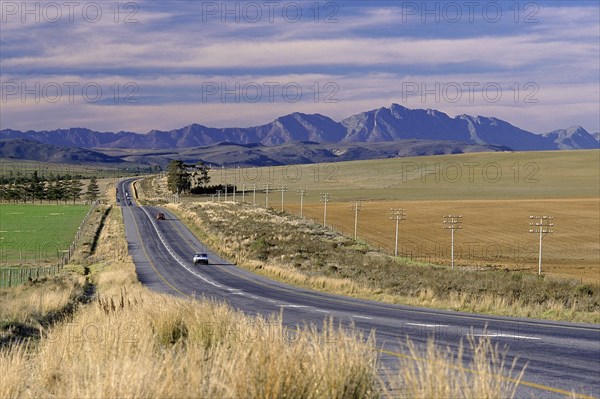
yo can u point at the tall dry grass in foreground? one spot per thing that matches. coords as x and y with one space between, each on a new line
34 301
142 344
434 372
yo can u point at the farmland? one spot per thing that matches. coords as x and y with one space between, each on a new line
26 167
494 235
36 233
494 192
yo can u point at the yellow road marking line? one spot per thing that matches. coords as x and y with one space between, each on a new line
150 260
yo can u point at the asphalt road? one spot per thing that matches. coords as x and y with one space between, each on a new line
560 357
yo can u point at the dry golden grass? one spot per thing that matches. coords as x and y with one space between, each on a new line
141 344
135 343
435 372
30 303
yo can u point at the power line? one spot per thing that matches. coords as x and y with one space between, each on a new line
397 214
452 222
542 226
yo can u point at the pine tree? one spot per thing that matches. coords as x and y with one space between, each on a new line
93 190
36 187
74 189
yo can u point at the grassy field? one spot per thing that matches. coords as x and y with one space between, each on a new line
495 176
495 192
36 233
494 236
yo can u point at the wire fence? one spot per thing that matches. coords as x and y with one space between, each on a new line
12 276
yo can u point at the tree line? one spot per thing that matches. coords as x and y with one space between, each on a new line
31 188
184 178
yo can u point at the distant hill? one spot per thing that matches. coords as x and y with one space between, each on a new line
302 152
36 151
378 125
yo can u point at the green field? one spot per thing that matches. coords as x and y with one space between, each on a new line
34 234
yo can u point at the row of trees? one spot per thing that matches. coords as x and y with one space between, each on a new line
52 188
183 178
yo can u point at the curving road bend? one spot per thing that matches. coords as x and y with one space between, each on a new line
561 357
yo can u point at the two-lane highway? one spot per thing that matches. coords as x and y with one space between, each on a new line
560 357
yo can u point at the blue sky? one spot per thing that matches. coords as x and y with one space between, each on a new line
145 65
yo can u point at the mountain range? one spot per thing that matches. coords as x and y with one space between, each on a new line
36 151
229 154
298 152
378 125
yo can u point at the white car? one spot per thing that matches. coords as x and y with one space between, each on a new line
200 258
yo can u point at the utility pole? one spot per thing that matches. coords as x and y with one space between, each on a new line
219 195
325 198
267 196
302 193
397 214
542 226
283 189
243 193
452 222
356 208
237 172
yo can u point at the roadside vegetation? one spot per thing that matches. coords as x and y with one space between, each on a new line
306 254
30 309
127 341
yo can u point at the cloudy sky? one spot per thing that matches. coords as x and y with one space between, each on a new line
144 65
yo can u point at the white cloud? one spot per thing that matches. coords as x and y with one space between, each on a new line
167 52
